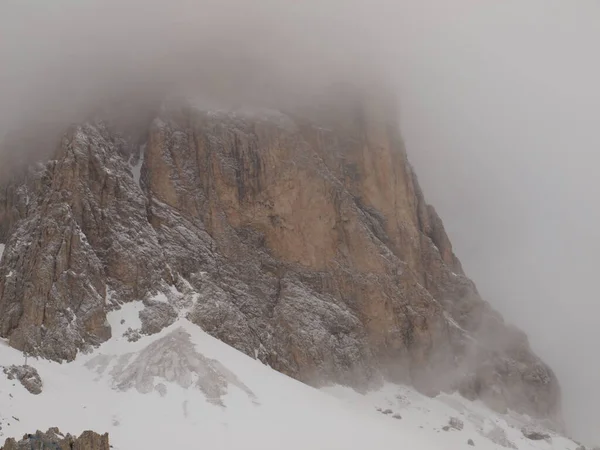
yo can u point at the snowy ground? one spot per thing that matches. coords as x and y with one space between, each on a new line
430 416
182 388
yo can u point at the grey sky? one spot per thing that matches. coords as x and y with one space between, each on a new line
500 105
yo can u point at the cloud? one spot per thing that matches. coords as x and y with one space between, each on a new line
60 57
500 105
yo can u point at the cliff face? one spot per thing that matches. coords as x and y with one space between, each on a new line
301 239
54 439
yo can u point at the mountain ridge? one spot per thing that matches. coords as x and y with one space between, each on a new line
304 242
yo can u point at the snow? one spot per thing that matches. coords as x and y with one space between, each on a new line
429 415
122 319
136 169
161 297
182 388
1 250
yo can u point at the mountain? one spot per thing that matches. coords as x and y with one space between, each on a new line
182 388
301 238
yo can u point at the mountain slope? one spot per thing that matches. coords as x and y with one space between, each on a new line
242 403
300 238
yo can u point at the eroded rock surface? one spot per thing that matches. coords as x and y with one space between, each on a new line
28 376
300 239
535 434
172 358
53 439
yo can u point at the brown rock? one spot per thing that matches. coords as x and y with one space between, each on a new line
54 439
90 440
303 239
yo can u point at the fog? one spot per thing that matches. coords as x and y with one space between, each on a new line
499 102
501 105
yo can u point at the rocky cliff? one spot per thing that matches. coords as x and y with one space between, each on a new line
53 439
300 238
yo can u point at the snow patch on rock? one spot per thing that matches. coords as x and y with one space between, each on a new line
128 316
174 359
136 165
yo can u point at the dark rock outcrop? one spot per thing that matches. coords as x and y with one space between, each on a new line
303 240
535 434
456 423
28 376
53 439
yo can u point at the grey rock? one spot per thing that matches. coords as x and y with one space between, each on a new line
132 335
156 316
175 359
303 240
455 423
28 376
535 434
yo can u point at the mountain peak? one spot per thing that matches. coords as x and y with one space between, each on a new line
299 237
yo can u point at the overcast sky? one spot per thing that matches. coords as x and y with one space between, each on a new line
500 105
501 114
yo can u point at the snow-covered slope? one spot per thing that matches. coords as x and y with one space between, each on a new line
182 388
432 417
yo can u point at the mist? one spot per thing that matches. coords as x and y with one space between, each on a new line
500 111
498 101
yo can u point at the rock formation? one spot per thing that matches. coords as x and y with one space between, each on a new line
172 358
302 239
535 434
53 439
28 376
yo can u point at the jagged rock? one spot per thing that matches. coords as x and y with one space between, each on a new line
28 376
132 335
304 240
455 423
90 440
175 359
535 434
471 443
53 439
397 416
156 316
